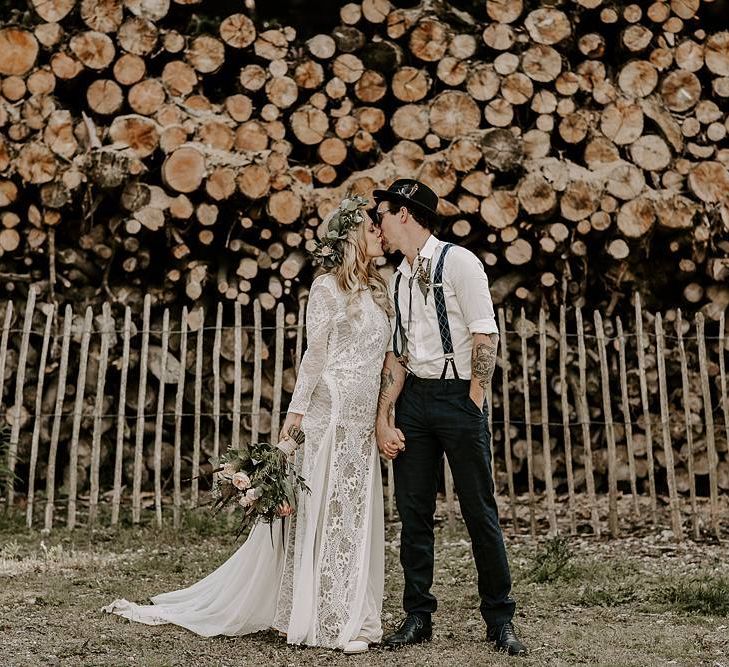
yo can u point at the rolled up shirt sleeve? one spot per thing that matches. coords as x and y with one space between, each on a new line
471 286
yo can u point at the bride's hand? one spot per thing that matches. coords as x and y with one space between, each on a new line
286 443
284 510
292 419
390 440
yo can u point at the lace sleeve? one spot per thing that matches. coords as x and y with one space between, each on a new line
319 324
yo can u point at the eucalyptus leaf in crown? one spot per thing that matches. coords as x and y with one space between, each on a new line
328 251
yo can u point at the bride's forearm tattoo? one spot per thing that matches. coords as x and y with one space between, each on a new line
483 362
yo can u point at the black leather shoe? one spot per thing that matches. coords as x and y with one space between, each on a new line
412 630
506 640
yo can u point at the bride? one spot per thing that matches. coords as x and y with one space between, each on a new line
323 584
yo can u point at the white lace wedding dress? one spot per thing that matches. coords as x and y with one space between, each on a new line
323 583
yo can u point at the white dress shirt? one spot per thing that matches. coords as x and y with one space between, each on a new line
468 302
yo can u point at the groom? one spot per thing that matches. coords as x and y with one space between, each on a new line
434 379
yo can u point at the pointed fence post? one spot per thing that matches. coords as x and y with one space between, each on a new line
4 345
159 417
121 421
237 374
18 405
709 422
666 431
609 432
722 373
57 416
686 392
105 333
528 422
257 362
584 417
50 314
77 417
505 367
566 431
625 402
646 408
179 403
199 351
216 380
544 409
278 374
141 401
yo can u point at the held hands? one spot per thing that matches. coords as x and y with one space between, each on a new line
390 440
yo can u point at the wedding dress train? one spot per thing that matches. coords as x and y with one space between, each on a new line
322 581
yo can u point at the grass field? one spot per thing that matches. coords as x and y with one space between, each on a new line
582 601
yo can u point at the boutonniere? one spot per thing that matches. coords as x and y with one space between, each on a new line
422 274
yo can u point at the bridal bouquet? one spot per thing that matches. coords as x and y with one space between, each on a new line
259 479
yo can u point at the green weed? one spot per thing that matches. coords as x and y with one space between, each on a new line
552 561
708 595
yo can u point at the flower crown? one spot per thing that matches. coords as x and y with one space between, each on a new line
329 251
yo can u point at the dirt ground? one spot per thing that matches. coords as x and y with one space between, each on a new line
582 601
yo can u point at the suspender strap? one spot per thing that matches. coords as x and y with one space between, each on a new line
398 336
442 313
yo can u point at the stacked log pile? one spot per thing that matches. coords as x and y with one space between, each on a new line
569 143
579 149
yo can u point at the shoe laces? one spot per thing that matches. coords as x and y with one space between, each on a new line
507 632
408 621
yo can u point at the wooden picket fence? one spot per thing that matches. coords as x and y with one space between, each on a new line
512 367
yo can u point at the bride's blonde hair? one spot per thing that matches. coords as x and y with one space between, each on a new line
356 270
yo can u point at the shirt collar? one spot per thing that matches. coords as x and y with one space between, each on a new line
427 252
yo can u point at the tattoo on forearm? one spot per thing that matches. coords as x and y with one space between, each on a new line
384 402
483 363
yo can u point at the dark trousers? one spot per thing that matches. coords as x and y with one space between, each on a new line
438 416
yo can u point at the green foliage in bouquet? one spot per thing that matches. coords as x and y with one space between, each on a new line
260 480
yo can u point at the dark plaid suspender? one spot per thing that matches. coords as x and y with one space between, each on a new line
399 329
442 313
398 336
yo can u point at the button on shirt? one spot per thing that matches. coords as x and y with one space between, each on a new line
468 302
